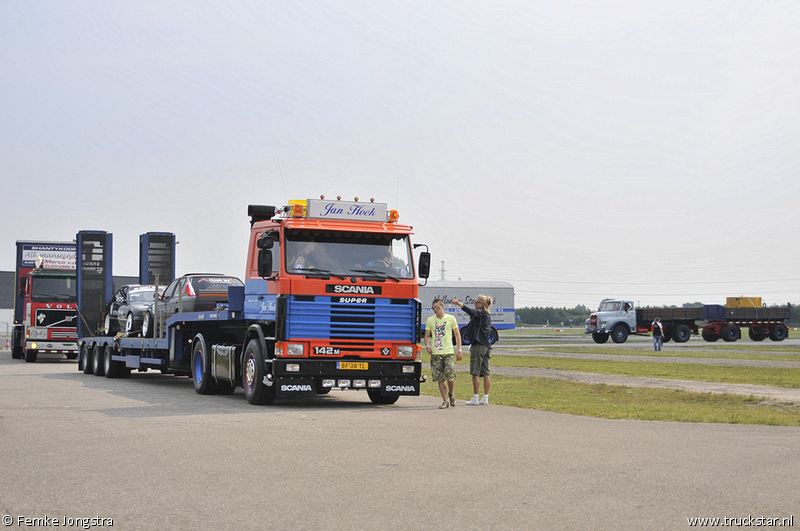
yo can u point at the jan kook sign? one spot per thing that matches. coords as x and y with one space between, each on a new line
320 208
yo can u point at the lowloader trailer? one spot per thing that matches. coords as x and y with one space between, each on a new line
330 300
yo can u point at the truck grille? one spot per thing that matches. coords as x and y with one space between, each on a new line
370 318
64 334
59 318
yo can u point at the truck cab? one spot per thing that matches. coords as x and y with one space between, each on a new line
50 316
615 318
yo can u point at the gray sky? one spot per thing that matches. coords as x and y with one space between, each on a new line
577 149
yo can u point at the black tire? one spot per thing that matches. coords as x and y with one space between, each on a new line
377 398
17 353
778 332
97 361
31 355
110 367
620 333
681 333
667 335
464 336
147 325
730 333
709 336
255 390
756 336
494 336
599 337
129 324
86 359
225 388
204 384
111 325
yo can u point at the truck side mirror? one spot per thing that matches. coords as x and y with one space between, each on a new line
266 240
424 264
265 262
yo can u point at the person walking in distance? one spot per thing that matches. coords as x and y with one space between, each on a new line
479 331
658 334
439 332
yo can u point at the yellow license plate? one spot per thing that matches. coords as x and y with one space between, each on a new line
352 365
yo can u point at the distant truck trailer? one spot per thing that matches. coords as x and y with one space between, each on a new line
502 309
619 318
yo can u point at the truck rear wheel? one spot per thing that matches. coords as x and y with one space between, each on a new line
203 383
255 390
778 332
377 398
729 333
620 334
599 337
681 333
97 361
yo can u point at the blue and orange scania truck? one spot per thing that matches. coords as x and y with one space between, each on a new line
330 301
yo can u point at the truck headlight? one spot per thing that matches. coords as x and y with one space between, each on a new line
295 349
292 367
405 352
408 369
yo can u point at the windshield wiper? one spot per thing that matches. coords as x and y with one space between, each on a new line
376 273
314 272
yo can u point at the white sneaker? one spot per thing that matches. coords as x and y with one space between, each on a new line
484 401
473 402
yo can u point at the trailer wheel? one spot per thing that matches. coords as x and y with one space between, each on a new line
620 333
97 361
377 398
756 336
86 359
203 383
255 390
730 333
709 336
494 336
666 335
464 336
778 332
110 367
599 337
681 333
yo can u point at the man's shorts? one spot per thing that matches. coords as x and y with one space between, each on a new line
443 367
479 360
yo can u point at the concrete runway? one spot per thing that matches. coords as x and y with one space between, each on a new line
151 454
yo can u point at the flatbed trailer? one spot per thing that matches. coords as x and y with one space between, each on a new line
618 319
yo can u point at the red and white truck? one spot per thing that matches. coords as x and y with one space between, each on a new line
45 315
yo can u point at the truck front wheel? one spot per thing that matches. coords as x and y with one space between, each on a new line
599 337
255 390
377 398
620 334
31 355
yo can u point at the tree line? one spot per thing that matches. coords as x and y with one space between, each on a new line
579 314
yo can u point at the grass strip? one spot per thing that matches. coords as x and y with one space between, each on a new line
620 402
771 355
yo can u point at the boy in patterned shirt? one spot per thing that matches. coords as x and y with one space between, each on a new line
439 332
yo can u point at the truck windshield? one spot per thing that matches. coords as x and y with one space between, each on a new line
53 289
340 253
609 307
